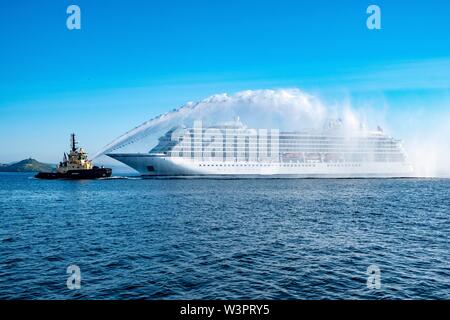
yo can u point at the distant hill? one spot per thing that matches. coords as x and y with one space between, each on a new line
27 165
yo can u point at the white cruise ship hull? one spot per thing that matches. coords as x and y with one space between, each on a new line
159 166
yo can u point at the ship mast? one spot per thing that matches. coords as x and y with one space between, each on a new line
73 142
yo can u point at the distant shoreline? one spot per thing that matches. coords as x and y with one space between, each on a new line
26 165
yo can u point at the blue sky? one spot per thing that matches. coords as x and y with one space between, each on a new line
133 60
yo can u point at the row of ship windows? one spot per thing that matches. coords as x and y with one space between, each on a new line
292 146
287 145
254 155
285 150
344 165
285 141
286 136
278 165
256 165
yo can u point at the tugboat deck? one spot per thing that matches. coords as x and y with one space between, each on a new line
75 166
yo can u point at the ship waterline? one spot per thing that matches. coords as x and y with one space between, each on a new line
233 150
158 165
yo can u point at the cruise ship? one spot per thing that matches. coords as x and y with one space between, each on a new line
233 150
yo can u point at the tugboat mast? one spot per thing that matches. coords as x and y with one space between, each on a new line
73 143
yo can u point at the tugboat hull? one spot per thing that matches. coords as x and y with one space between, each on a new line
94 173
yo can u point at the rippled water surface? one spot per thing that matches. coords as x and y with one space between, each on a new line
232 239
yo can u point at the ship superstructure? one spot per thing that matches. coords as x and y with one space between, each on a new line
232 149
77 159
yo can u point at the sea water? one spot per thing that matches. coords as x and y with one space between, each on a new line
224 239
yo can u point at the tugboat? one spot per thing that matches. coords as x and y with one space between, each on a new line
76 165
